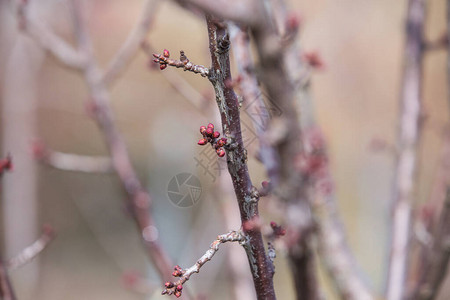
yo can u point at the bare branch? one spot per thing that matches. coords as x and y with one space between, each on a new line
246 194
179 84
131 45
163 60
72 162
29 253
139 200
54 44
407 160
176 287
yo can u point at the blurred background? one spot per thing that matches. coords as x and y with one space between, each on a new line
98 248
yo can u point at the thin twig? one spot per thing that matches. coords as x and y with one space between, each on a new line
175 288
179 84
30 252
163 60
407 159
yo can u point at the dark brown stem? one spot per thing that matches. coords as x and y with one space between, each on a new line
246 194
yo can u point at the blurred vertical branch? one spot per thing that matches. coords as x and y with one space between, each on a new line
19 193
139 200
408 136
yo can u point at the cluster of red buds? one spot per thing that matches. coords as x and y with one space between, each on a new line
161 60
278 230
6 164
212 137
172 288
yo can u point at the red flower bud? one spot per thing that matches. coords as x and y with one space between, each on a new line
209 131
179 287
220 143
273 224
216 134
220 152
177 294
166 53
162 67
156 60
202 142
202 129
211 125
168 284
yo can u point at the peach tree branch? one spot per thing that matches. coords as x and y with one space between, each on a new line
164 60
408 137
179 84
176 287
246 194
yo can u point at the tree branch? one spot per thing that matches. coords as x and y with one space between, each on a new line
408 139
246 194
30 252
184 63
175 288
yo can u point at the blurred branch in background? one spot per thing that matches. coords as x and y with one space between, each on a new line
408 139
71 162
30 252
139 201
